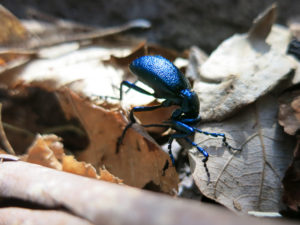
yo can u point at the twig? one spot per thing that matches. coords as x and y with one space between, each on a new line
106 203
3 137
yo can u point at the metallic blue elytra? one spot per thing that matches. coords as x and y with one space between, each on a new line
158 72
168 83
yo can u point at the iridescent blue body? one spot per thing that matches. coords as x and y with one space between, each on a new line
294 49
168 83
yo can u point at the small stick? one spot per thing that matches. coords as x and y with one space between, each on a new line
3 137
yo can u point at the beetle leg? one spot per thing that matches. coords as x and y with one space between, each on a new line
185 131
224 140
204 153
132 120
133 86
171 139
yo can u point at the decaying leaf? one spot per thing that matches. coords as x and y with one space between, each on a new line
143 49
85 73
15 215
140 160
47 150
249 180
291 182
196 59
105 175
105 203
71 165
289 112
12 32
42 153
243 68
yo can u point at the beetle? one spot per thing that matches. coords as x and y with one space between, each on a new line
294 48
168 83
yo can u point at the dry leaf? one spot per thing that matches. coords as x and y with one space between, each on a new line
243 68
197 57
140 160
44 151
105 175
105 203
294 26
11 30
249 180
14 215
71 165
140 50
289 112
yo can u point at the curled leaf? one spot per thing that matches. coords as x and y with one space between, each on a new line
250 179
243 68
289 112
42 152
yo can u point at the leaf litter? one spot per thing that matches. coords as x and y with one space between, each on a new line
78 75
243 71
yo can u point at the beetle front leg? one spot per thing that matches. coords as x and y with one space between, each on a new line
134 87
132 120
224 139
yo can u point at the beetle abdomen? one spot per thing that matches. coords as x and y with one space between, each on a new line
159 73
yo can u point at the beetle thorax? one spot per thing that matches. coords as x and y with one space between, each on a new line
190 103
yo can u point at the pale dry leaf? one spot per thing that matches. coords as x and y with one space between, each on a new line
197 57
243 68
105 203
249 180
16 216
289 112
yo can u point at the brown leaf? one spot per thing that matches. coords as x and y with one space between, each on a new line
11 29
105 175
155 117
44 151
140 160
71 165
289 111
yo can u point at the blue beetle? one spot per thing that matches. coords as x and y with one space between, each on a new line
294 48
168 83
